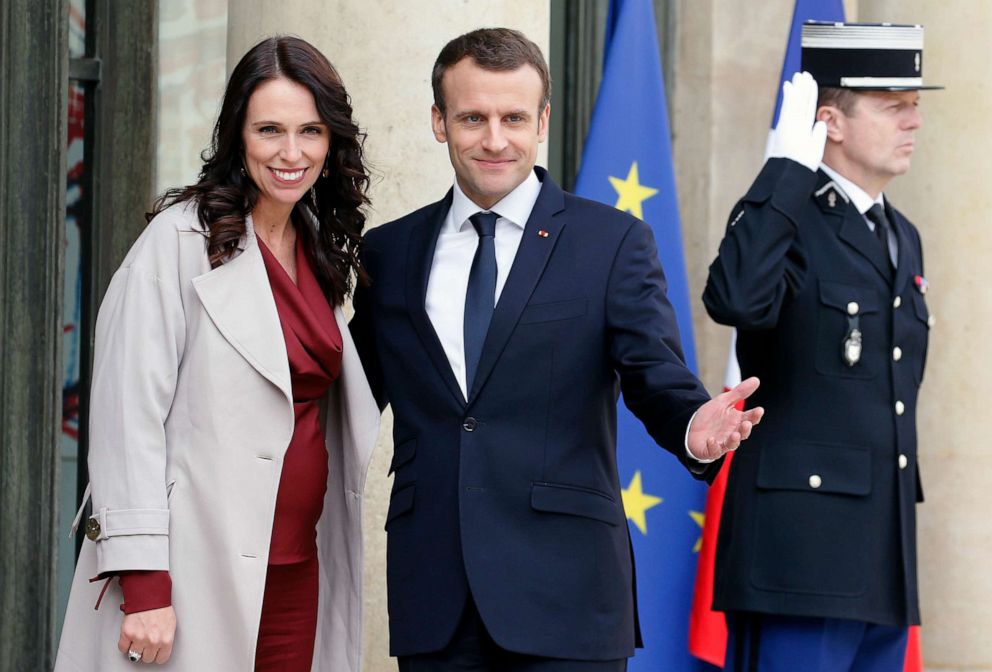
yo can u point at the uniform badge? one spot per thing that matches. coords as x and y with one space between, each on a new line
832 199
921 284
852 347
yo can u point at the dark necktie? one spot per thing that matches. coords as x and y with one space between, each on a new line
480 299
882 229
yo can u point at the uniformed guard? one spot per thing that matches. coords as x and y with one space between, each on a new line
824 281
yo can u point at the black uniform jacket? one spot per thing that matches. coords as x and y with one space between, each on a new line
512 495
819 517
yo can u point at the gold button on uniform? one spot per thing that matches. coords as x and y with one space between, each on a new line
815 481
903 461
900 408
896 354
897 302
853 308
92 528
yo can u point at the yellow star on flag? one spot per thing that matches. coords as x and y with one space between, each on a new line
631 192
700 519
636 502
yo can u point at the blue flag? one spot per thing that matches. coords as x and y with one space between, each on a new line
627 163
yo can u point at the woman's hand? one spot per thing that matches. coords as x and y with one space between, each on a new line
149 633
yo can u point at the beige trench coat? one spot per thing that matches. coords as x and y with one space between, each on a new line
192 412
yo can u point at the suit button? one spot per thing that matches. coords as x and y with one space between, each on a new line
896 354
92 528
932 320
900 408
853 308
815 481
470 424
903 461
897 302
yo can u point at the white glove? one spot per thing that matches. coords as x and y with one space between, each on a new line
796 137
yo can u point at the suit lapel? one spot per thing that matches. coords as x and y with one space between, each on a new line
852 228
528 265
420 258
239 300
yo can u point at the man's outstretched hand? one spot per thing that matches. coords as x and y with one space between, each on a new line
719 427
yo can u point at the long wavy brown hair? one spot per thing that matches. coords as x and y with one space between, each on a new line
331 227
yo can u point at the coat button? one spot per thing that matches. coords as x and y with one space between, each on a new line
896 354
92 528
897 302
853 308
903 461
900 408
470 424
932 320
815 481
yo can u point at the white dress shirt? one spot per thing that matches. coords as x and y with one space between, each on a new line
453 255
863 202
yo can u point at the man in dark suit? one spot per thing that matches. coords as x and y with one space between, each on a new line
501 323
823 279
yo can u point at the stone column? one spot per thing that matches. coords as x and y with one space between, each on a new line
384 52
947 196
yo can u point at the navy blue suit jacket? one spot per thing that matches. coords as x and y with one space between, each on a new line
513 495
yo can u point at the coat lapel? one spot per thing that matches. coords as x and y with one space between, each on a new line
420 258
358 423
239 300
852 227
528 265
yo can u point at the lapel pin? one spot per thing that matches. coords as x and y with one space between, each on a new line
832 199
543 234
921 284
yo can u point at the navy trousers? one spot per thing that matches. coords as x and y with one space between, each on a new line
769 643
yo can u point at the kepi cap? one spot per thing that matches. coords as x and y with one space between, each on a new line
864 56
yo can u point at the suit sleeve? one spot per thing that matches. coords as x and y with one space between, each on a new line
761 260
140 336
646 350
362 327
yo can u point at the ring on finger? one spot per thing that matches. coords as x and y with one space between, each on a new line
133 656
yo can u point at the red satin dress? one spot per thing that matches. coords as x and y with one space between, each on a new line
313 344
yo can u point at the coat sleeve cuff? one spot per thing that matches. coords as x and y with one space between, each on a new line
106 523
130 539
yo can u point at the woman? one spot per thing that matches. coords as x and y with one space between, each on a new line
231 424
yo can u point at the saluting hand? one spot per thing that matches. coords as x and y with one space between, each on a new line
719 427
798 136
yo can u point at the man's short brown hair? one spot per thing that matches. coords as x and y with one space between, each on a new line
843 99
499 49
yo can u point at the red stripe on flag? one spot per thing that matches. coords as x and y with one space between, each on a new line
707 628
914 652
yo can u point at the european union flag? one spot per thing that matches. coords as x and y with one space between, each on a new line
627 163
